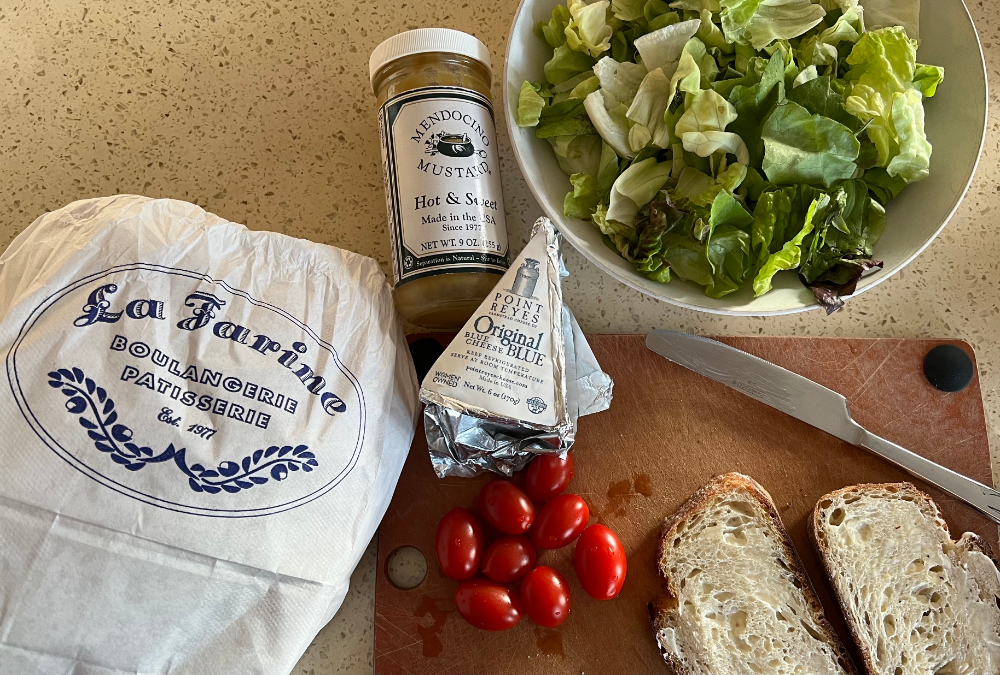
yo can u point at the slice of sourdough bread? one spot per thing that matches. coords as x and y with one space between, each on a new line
738 600
915 600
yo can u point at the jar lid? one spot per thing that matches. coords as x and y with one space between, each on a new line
423 40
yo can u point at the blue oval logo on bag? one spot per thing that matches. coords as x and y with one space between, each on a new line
184 392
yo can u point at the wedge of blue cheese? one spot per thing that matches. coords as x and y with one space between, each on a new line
498 394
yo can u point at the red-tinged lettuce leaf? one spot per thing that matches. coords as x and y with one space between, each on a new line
840 253
839 281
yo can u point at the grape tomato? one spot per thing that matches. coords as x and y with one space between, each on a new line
545 596
560 521
459 544
600 562
547 476
509 558
506 507
488 605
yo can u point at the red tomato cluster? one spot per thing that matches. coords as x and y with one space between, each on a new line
490 603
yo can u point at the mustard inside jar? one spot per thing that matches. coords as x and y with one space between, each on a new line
441 170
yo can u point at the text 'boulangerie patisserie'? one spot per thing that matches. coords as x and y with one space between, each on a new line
202 426
518 375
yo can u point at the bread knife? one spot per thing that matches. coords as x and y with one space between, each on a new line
814 404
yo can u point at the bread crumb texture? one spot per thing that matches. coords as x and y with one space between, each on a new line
737 599
916 601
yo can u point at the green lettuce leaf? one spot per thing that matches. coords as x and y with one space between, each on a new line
708 68
585 88
825 96
700 189
627 10
685 80
707 143
710 247
883 187
913 161
622 238
790 255
650 245
668 245
566 63
529 105
636 187
620 80
583 199
708 111
883 95
553 31
621 45
806 75
771 218
577 154
568 118
728 253
711 34
590 190
754 104
697 5
696 187
568 85
588 30
761 22
868 157
822 49
804 148
731 78
884 60
648 109
611 123
754 185
726 210
658 14
607 171
688 258
927 79
662 48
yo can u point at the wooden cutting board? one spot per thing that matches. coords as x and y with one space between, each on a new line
667 432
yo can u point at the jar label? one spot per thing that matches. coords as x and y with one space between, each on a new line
442 183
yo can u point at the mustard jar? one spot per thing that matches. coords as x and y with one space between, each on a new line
442 174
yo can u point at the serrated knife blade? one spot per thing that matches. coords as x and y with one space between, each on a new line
812 403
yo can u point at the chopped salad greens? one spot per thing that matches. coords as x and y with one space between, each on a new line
725 141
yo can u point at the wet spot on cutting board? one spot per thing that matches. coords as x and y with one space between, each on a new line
643 484
429 634
550 641
620 493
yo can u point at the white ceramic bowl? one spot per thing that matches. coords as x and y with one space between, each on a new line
955 123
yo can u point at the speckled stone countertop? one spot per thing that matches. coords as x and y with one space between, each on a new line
261 111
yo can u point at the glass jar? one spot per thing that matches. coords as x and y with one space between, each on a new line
441 172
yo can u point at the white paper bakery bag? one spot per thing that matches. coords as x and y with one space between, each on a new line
200 429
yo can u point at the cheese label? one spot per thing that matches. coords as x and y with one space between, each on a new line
502 359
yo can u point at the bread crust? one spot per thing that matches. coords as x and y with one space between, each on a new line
720 485
822 548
